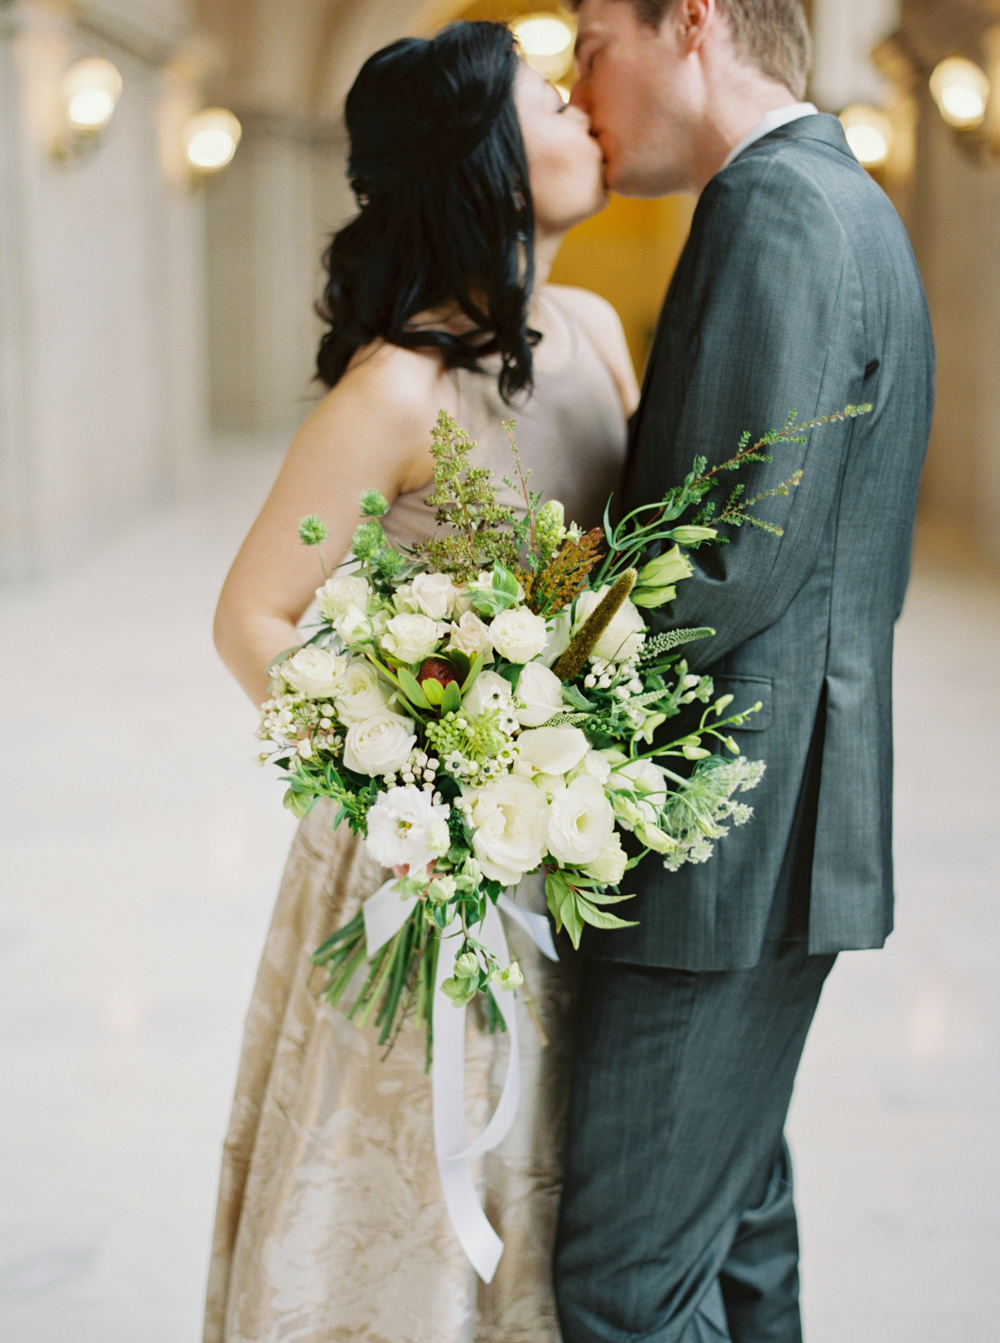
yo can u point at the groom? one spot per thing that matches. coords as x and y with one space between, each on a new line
797 290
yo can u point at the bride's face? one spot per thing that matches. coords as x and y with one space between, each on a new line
565 162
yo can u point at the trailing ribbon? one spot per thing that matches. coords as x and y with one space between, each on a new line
385 912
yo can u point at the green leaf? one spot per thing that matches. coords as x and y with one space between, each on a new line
574 695
511 674
599 918
602 898
571 917
433 691
475 668
451 701
298 803
410 687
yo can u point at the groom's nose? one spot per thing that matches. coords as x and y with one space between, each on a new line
579 96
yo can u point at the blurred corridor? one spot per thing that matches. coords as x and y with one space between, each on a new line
145 850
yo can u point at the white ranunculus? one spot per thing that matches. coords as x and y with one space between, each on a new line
470 636
647 781
626 630
435 595
402 825
610 864
488 691
380 745
354 627
581 822
557 638
511 820
337 594
313 672
518 634
540 693
550 750
361 692
411 638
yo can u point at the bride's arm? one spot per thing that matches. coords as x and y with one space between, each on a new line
372 431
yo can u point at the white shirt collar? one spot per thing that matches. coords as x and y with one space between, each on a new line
769 122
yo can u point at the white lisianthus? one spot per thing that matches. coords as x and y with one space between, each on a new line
411 637
435 595
610 864
354 627
594 764
518 634
581 822
550 750
313 672
511 820
626 631
557 638
401 826
470 636
488 691
550 784
647 782
361 692
540 693
337 594
380 745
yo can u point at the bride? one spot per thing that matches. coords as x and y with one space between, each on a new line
468 169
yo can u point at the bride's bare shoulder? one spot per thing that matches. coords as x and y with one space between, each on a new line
604 328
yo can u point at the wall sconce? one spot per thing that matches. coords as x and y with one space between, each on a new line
546 42
961 90
869 133
89 92
210 138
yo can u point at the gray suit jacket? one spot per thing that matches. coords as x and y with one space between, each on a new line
797 290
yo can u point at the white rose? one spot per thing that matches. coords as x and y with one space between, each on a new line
550 750
435 595
511 820
647 781
337 594
610 864
361 693
518 634
488 691
581 822
626 630
411 638
540 693
470 636
354 627
557 639
313 672
380 745
404 827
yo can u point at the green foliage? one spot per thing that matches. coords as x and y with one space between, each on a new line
313 531
571 663
373 504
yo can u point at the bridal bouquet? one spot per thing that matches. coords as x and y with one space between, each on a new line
490 705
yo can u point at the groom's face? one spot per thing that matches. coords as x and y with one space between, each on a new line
640 90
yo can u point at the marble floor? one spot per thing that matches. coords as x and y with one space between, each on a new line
141 851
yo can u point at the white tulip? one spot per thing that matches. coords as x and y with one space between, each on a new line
540 693
361 692
581 822
380 745
313 672
511 820
626 631
518 634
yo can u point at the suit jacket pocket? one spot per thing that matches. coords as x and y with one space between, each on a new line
746 692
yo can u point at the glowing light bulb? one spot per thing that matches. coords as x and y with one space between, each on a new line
90 90
869 134
210 139
546 42
961 91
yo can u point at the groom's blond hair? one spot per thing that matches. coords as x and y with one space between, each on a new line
773 35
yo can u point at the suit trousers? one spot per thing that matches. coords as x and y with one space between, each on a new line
677 1223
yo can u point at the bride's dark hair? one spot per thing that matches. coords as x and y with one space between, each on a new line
438 166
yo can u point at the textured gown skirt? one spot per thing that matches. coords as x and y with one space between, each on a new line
331 1226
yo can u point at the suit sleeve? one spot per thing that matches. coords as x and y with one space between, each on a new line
777 309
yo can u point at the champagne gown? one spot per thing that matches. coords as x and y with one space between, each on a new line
330 1225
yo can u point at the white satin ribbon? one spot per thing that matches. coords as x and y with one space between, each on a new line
384 914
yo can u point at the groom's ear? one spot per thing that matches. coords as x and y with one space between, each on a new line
693 20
